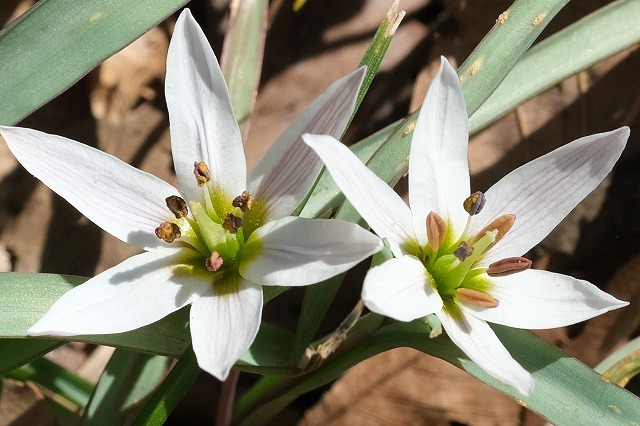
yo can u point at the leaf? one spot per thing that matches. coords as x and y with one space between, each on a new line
56 42
128 378
26 297
605 32
242 55
566 391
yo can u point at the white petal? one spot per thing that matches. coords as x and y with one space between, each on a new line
203 126
289 169
224 324
139 291
438 165
399 289
376 202
124 201
478 341
542 192
295 251
537 299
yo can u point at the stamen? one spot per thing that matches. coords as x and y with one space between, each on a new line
508 266
243 201
177 206
214 262
232 223
168 231
476 298
463 251
436 229
201 172
474 203
502 224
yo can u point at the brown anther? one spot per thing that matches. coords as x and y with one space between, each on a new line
476 298
232 223
201 172
474 203
436 229
243 201
214 262
168 231
501 224
463 251
177 206
508 266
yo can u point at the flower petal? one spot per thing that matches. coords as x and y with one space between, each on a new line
124 201
537 299
376 202
296 251
134 293
203 126
289 169
438 164
399 289
478 341
224 324
542 192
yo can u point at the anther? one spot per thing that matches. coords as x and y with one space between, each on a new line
243 201
168 232
201 172
502 224
177 206
508 266
476 298
232 223
214 262
463 251
436 229
474 203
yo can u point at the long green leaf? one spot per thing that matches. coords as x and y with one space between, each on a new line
128 378
490 62
162 402
17 352
566 391
26 297
56 378
242 55
601 34
58 41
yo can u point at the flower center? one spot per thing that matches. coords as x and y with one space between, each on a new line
452 269
215 229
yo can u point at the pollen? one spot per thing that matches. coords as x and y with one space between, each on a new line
243 201
201 172
232 223
177 206
474 203
168 232
463 251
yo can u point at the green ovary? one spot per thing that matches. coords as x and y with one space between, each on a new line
446 272
216 231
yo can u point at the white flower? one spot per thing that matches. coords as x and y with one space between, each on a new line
215 243
460 261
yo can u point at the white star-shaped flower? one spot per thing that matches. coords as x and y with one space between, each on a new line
458 257
216 242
